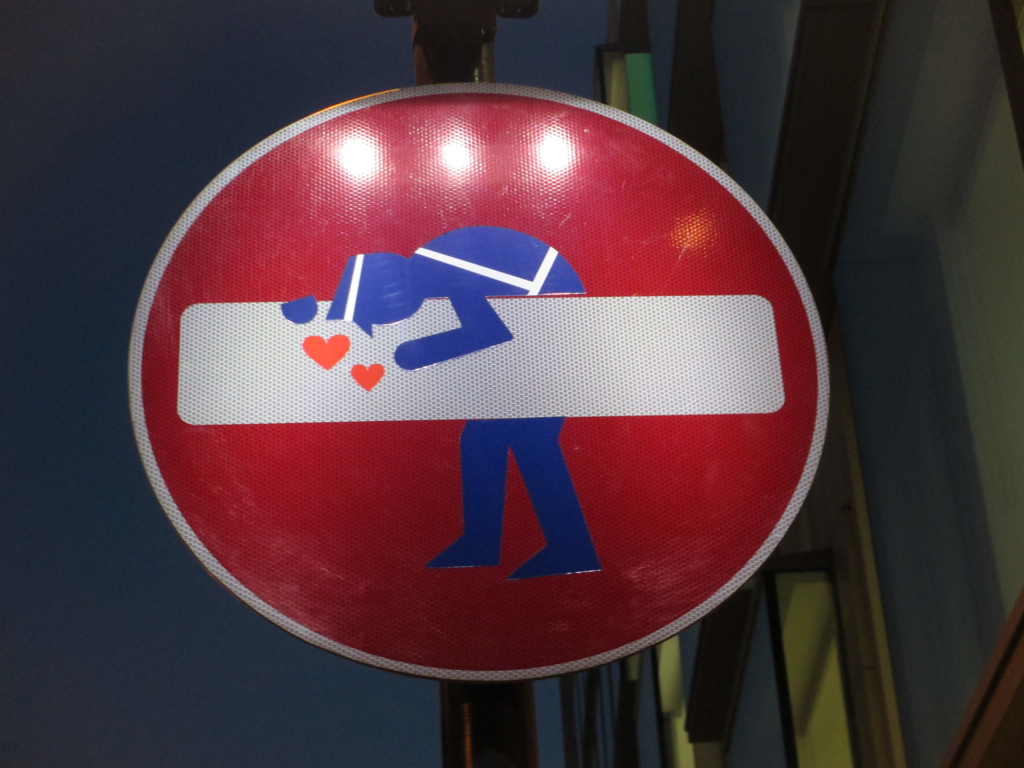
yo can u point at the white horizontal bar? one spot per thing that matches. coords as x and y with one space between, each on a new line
570 356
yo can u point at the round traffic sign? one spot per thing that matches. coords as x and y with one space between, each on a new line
478 382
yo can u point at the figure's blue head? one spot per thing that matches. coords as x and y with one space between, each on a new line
375 289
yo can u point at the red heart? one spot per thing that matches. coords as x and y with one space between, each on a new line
326 354
368 378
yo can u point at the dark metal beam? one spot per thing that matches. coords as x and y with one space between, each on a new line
627 713
1010 42
833 58
592 693
781 676
810 560
570 738
718 669
695 111
633 31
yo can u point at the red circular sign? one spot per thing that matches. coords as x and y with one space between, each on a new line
353 329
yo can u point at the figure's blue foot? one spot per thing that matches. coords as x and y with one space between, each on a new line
555 562
466 553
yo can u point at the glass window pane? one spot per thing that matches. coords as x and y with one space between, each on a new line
810 641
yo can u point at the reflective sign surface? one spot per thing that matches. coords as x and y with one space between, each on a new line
478 381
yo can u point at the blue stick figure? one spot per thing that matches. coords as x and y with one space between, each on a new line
467 266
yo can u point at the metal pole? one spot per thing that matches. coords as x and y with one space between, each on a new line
483 725
454 43
488 725
453 40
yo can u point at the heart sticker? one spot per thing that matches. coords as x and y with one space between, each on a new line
368 378
327 353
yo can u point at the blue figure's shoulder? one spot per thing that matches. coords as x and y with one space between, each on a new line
492 261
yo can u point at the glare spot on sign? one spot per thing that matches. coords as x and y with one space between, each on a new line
554 152
693 233
359 157
456 156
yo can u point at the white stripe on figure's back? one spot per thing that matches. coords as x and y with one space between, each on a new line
469 266
353 289
542 273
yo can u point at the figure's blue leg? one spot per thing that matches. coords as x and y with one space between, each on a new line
480 328
484 447
569 548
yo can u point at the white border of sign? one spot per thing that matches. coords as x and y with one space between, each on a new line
225 577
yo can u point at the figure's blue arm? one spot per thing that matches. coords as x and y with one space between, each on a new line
481 328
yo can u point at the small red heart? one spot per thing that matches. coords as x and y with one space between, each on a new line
326 354
368 378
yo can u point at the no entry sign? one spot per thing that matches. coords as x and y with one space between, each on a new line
478 382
